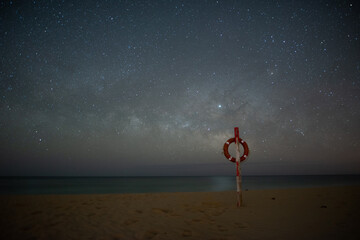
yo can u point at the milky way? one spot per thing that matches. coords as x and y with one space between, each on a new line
156 87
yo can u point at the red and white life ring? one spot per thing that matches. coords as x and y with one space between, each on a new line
226 150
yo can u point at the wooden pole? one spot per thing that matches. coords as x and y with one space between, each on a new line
238 169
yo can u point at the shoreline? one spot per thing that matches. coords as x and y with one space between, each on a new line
4 195
95 185
296 213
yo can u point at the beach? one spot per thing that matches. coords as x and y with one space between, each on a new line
298 213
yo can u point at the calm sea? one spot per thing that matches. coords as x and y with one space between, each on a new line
103 185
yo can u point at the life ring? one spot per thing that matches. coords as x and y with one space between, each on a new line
226 150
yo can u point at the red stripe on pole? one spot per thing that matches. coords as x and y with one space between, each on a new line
236 132
237 168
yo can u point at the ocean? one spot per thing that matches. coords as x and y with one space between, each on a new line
109 185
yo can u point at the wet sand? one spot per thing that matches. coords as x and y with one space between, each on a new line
313 213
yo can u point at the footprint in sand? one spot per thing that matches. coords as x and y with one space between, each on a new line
196 220
187 233
161 210
242 225
221 228
175 214
192 209
52 224
150 234
27 228
130 222
36 212
118 236
217 213
211 204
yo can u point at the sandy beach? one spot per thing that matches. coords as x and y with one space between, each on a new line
313 213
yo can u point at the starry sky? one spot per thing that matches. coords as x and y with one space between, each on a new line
128 88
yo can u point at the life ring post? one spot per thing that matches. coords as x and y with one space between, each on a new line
238 169
238 141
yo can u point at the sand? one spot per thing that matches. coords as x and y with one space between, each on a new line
313 213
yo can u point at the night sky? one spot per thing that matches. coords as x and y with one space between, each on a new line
119 88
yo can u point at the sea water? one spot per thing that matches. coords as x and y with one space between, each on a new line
106 185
